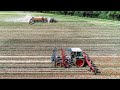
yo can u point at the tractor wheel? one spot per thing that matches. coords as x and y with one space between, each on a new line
31 22
80 63
56 64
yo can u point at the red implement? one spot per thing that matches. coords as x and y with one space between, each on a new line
90 64
65 61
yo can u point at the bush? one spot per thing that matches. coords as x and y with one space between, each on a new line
111 15
103 14
95 14
115 15
78 13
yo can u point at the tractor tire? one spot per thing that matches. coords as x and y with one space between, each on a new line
57 64
80 62
31 22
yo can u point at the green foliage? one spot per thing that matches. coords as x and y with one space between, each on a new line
117 15
111 14
114 15
78 13
103 14
96 14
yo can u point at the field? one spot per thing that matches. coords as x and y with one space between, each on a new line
25 50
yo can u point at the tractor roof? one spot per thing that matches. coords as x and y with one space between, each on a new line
75 49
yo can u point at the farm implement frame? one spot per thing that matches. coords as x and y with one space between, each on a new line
73 57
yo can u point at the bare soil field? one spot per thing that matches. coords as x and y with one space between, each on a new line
25 50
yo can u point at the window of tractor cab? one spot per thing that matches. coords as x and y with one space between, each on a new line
72 55
79 53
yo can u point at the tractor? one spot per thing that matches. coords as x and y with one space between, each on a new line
73 57
41 19
52 20
37 19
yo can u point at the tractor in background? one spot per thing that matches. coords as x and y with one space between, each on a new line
52 20
42 20
37 19
73 57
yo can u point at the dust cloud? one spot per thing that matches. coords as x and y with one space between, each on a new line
25 18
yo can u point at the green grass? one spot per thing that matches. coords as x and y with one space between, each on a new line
73 22
91 21
65 22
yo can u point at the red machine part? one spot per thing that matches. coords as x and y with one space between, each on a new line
65 62
79 63
90 64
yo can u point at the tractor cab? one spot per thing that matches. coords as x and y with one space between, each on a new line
76 57
75 53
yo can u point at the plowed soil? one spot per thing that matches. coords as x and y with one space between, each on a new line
25 50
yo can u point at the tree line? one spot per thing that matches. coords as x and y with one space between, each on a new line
114 15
